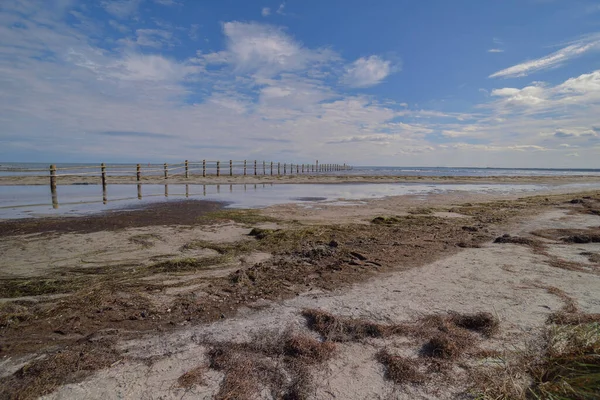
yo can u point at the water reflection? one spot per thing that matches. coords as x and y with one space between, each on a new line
140 196
26 201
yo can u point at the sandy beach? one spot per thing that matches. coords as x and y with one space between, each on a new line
395 298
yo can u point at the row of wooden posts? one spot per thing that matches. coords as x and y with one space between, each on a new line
272 167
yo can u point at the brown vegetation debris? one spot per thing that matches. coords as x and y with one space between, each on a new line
67 365
341 329
279 363
400 370
483 322
193 377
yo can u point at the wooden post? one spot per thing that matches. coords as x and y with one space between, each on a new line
284 168
278 168
138 172
139 188
271 168
230 167
218 168
166 166
203 167
187 169
103 171
244 167
187 190
264 168
53 178
255 167
166 190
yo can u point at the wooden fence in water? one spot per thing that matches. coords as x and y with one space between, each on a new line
191 169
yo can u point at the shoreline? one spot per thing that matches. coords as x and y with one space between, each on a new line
295 179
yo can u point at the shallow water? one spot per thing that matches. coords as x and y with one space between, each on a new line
35 201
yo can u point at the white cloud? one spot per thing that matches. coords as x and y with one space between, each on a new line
280 9
495 51
121 8
266 11
575 49
539 97
367 71
265 50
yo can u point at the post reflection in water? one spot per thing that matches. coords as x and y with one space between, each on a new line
151 191
54 198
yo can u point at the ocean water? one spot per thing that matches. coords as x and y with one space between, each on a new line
36 200
16 169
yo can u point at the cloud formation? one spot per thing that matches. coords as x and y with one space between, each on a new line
575 49
367 71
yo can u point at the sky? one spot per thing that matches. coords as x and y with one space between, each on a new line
495 83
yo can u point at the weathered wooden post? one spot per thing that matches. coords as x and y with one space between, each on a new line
53 186
187 190
302 168
271 168
278 168
264 168
53 178
166 190
218 168
255 167
104 195
230 167
187 169
103 172
139 190
203 168
138 172
244 167
166 167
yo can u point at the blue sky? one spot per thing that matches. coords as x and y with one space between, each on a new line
495 83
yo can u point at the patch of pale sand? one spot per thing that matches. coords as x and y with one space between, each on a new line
38 255
500 278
